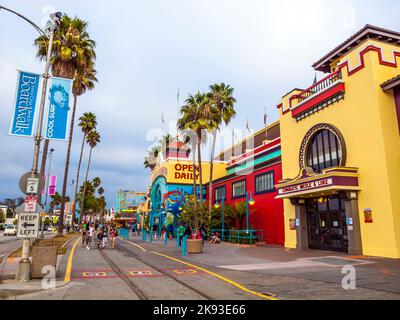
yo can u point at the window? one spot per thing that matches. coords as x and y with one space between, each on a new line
324 151
265 182
220 193
239 189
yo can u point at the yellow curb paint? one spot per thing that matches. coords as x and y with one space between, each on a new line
237 285
67 277
134 244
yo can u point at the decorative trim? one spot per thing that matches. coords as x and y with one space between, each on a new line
311 133
361 63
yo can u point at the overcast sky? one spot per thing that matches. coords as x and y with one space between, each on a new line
148 49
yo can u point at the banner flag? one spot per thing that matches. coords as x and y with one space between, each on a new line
52 185
58 108
25 104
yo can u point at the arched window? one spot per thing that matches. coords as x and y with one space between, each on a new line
324 151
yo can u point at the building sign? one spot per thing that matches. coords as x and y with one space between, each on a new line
58 108
25 103
185 171
306 186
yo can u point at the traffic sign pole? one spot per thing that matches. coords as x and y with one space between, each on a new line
24 267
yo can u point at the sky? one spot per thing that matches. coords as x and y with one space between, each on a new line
147 50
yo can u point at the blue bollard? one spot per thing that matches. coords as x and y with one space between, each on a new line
184 246
144 235
177 240
165 238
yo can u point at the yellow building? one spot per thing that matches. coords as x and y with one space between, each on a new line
341 150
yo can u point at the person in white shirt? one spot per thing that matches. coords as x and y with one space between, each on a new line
91 234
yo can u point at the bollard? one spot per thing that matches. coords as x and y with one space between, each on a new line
165 238
184 246
144 235
177 240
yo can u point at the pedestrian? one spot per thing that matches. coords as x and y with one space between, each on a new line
99 237
84 233
91 234
203 232
105 235
112 235
170 231
155 230
163 232
181 232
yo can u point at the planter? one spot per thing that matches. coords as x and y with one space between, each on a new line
43 256
194 246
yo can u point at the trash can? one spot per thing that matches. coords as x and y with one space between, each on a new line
194 246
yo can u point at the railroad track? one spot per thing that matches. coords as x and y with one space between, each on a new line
136 290
141 295
153 266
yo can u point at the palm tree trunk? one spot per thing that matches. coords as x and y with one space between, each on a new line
85 182
210 194
200 172
64 189
194 177
43 168
77 176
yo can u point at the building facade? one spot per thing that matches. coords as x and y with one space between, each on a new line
255 170
341 150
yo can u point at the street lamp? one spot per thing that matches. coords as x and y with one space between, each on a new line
24 266
216 206
47 189
249 201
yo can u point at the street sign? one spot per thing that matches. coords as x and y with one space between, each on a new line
28 225
31 185
30 203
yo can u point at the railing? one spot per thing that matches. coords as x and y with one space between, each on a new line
240 236
319 86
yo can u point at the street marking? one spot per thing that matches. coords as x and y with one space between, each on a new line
141 273
65 243
185 271
134 244
94 274
237 285
67 277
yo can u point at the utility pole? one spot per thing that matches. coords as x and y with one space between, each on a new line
23 272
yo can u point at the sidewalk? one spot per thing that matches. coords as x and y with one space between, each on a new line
371 272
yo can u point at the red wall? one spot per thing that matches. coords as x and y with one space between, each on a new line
267 212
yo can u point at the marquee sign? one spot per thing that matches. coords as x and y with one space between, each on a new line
306 186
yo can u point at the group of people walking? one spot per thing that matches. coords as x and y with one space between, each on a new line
101 233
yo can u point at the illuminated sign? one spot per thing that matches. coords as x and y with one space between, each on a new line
306 186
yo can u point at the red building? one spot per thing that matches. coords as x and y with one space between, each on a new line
254 166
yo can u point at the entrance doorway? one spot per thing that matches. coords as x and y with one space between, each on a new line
327 227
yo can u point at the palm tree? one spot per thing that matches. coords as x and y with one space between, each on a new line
87 122
194 121
221 97
96 182
93 138
150 159
73 55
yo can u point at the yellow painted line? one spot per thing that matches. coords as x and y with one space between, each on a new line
67 277
134 244
237 285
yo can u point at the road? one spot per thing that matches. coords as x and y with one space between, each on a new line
9 243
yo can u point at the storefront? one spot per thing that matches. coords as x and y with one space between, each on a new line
341 151
255 170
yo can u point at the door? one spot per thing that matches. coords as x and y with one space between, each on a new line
327 228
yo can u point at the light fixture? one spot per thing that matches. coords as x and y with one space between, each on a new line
251 201
216 205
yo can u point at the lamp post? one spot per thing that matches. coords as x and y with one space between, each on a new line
24 266
223 217
249 201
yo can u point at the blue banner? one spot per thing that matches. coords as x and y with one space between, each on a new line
25 104
58 108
